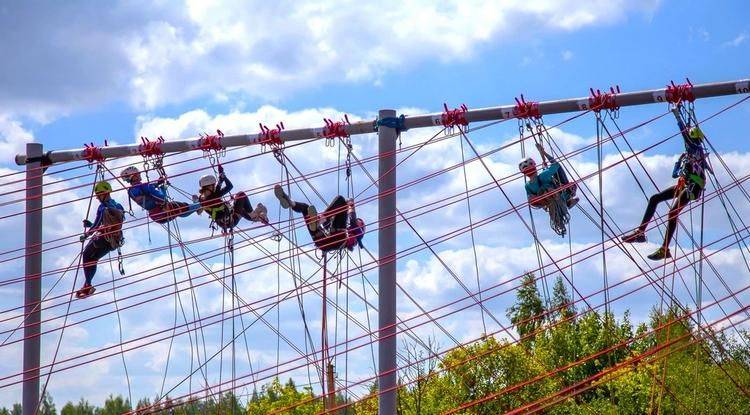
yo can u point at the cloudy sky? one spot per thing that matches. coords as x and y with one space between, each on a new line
78 72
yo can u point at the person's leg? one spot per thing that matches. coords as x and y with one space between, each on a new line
300 207
170 211
187 209
94 251
242 205
338 208
653 202
674 214
639 235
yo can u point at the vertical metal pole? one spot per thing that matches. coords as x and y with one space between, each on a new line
387 267
33 283
331 401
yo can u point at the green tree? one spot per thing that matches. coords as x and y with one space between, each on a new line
81 408
17 409
276 396
114 406
562 303
526 313
47 406
4 411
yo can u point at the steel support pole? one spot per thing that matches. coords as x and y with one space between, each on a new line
33 282
624 99
387 267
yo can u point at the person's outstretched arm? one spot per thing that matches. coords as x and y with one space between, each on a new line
681 124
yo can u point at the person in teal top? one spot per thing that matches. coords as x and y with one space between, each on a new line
542 185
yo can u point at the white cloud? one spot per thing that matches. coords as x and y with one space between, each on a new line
504 246
13 137
738 40
566 55
152 54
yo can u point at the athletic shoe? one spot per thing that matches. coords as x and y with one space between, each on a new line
85 291
659 254
260 213
572 202
312 218
197 199
635 237
283 198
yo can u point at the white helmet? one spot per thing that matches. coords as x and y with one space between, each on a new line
127 172
207 180
526 164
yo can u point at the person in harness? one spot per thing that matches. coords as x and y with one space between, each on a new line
690 172
336 228
153 198
221 213
105 233
541 186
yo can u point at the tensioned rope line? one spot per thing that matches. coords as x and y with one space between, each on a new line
429 244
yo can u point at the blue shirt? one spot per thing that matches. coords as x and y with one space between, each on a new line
544 181
147 196
100 211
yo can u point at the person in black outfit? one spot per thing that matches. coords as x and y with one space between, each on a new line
210 199
690 172
336 228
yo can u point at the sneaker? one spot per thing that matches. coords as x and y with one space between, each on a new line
312 217
260 213
197 199
85 291
660 253
572 202
283 198
635 237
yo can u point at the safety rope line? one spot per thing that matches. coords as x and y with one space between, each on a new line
644 286
70 301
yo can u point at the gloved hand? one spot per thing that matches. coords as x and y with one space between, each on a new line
83 237
87 223
221 171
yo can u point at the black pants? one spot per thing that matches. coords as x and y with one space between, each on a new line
240 208
562 178
95 250
680 201
337 237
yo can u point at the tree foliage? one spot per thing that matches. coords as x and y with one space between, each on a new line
565 363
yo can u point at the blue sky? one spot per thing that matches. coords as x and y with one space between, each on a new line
79 73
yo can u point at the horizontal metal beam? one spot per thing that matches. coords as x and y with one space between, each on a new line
624 99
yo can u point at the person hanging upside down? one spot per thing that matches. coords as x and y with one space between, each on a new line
106 231
224 215
153 198
541 186
690 172
336 228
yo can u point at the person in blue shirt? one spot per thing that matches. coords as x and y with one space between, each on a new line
105 233
690 172
542 186
153 198
227 216
336 228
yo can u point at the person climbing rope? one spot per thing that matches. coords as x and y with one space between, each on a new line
690 172
336 228
221 213
153 198
106 233
541 186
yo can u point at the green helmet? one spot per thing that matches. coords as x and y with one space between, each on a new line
696 134
102 187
